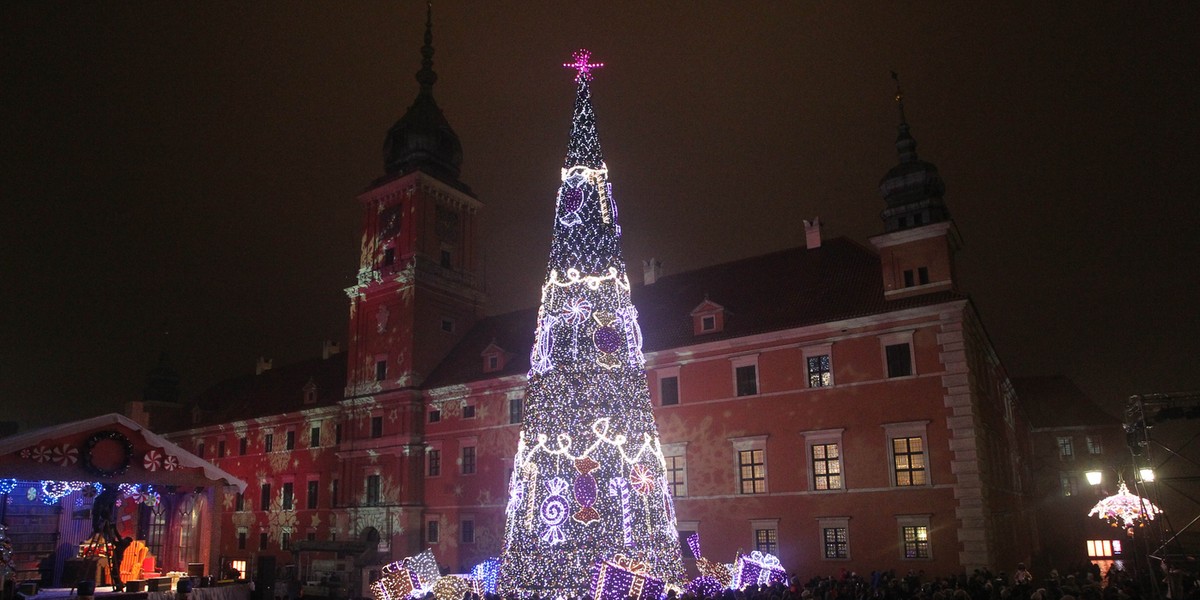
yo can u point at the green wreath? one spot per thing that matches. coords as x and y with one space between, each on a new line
98 437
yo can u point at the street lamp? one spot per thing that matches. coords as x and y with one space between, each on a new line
1147 474
1093 477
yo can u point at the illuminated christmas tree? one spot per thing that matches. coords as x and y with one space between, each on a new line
588 477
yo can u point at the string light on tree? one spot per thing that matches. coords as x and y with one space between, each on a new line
588 482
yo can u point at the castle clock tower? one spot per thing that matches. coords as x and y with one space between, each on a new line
419 281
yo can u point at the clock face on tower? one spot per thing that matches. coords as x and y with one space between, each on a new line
389 222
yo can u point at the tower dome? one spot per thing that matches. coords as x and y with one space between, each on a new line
913 189
422 138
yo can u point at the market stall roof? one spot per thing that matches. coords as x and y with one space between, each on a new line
107 448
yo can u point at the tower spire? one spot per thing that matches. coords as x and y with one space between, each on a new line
912 189
906 146
426 76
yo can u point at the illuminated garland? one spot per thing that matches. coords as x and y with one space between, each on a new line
589 476
7 486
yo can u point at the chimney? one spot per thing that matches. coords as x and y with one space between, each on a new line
812 233
330 348
264 365
651 271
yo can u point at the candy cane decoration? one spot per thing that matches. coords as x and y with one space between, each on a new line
554 511
619 487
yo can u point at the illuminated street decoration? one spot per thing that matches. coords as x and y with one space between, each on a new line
588 479
1124 509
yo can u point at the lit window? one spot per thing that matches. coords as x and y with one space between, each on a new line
819 372
467 529
752 471
676 475
434 459
766 535
1094 445
468 460
1066 448
836 542
916 541
908 454
826 467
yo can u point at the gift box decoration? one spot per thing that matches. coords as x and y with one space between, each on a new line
758 568
408 578
486 573
621 578
719 572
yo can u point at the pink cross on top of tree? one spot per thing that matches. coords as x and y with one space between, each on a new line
582 65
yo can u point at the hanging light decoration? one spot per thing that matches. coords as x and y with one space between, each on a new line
1124 509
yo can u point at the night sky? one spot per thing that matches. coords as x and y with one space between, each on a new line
192 167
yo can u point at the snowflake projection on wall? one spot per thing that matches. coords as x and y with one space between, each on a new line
1124 509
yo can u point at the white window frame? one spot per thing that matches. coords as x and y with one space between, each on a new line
679 450
907 429
1070 446
708 323
434 446
760 524
747 443
818 437
824 523
749 360
922 520
813 352
893 339
664 373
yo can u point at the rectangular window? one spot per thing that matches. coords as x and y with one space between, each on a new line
288 496
819 372
1094 445
1103 548
467 529
916 541
241 540
435 462
516 410
1068 484
268 442
826 467
677 475
265 497
445 259
469 411
908 278
836 542
376 427
766 540
435 415
221 449
708 323
752 471
922 275
1066 448
685 549
311 536
908 454
289 441
239 502
372 490
468 460
200 449
899 360
285 540
747 380
337 433
380 370
314 437
668 388
313 493
389 257
262 541
448 326
243 444
431 532
333 494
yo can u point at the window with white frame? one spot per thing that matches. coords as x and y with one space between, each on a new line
766 535
824 449
914 537
1095 445
835 537
1103 548
818 362
897 349
908 449
467 455
745 375
751 455
676 471
1066 447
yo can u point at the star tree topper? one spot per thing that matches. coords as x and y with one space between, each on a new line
581 64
